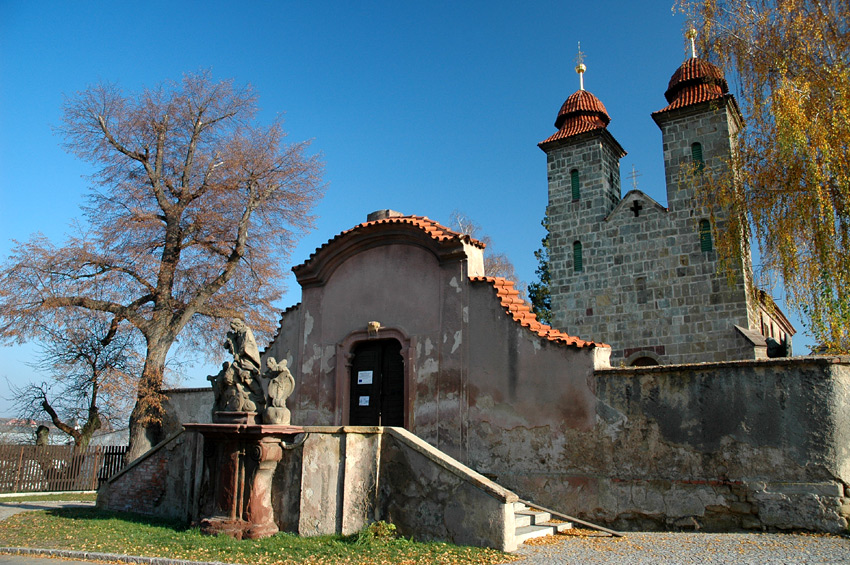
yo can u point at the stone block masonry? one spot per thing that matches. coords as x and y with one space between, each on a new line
718 446
629 272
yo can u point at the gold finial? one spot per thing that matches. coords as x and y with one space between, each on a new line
691 35
580 68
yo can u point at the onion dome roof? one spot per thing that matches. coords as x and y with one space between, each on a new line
582 107
693 82
580 113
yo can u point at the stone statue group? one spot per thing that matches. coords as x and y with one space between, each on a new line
238 387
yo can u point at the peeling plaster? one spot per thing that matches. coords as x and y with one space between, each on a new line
307 365
327 357
429 346
458 340
466 314
308 326
429 367
453 283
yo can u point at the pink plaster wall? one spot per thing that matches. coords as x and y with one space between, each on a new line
476 376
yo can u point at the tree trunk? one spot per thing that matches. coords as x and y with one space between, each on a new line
146 429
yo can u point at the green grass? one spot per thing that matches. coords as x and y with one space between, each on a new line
59 497
88 529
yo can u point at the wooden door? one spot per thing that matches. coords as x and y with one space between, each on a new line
377 384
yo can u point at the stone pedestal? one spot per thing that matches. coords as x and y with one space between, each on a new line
239 461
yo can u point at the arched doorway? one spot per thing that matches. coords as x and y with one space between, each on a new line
377 384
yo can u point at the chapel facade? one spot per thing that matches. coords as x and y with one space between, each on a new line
643 277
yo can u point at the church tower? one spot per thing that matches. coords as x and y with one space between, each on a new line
583 164
637 275
699 127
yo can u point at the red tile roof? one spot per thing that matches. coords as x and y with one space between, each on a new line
582 102
436 231
580 113
693 82
520 311
574 127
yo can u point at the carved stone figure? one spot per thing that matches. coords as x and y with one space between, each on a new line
240 342
281 385
236 387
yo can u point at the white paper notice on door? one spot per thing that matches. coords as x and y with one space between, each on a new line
364 401
364 378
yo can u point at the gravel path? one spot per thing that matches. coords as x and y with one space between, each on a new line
645 548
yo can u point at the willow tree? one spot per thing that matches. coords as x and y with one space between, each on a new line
192 212
791 62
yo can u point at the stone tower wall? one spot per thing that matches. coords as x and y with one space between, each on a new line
646 287
597 161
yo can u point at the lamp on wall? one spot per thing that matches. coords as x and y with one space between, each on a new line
373 327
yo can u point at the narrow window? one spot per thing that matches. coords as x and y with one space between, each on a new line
574 184
696 154
705 235
577 259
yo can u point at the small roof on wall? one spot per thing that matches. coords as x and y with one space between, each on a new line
521 313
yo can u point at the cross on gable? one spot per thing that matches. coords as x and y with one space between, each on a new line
636 208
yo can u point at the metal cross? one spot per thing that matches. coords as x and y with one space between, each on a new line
633 176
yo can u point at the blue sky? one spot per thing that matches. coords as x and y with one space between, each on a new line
424 107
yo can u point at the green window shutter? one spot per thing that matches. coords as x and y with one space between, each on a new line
574 184
705 235
696 154
578 265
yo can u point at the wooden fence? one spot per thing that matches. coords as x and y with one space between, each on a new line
28 468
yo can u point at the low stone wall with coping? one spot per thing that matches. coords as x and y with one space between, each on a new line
336 480
164 482
718 446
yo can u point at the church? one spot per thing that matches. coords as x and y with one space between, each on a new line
627 270
652 402
399 325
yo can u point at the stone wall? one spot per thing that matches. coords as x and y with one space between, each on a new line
335 481
164 482
349 477
189 404
759 444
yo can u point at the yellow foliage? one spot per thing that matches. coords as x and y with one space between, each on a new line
789 62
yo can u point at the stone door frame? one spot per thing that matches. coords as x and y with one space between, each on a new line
345 356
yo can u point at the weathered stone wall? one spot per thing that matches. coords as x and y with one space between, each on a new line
343 478
429 495
189 404
719 446
163 483
335 481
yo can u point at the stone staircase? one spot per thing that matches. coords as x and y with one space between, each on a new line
532 523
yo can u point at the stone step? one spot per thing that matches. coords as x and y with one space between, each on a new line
525 533
531 517
532 523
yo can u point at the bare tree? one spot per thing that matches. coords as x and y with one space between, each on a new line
93 369
192 213
495 264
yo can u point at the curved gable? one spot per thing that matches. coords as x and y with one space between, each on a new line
445 244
